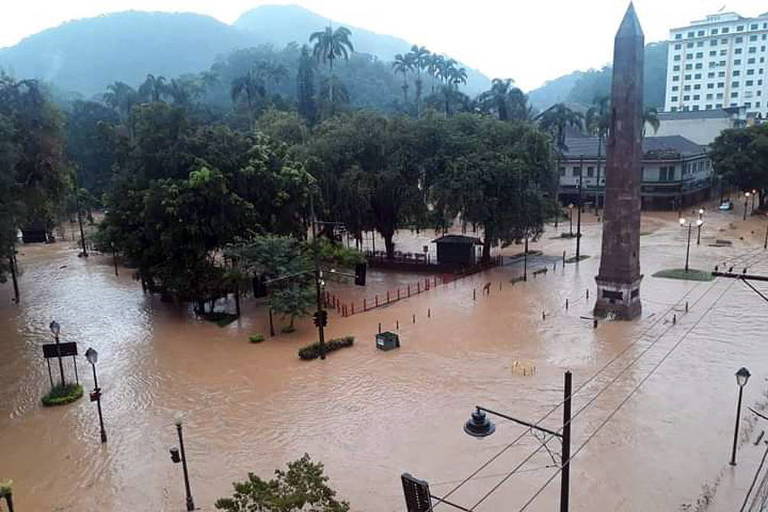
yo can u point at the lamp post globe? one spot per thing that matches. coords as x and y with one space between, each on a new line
478 425
92 356
742 376
54 327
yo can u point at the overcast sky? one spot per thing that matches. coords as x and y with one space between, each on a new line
529 40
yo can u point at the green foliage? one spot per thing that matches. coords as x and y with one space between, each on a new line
61 395
312 351
303 487
256 338
6 488
741 157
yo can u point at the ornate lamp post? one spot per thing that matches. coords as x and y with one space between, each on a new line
570 219
92 356
183 459
685 223
754 194
56 329
742 376
746 204
698 235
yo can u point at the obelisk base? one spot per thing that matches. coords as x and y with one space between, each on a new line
618 300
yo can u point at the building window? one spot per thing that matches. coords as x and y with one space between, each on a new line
750 71
673 109
676 58
738 40
688 67
714 31
721 74
753 26
576 171
737 62
713 42
709 97
719 96
686 87
713 53
675 88
737 51
678 36
700 33
753 49
711 75
666 173
696 87
723 52
749 83
753 38
676 78
734 84
695 108
696 97
734 95
719 105
699 65
690 34
751 60
736 73
720 85
689 45
674 98
562 171
688 55
678 46
709 107
740 28
590 172
687 77
710 86
686 98
726 30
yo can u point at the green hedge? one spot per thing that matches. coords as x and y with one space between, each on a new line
256 338
313 351
61 395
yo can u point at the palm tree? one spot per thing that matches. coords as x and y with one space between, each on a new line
506 100
209 79
403 64
597 123
251 87
420 57
271 72
121 97
434 64
556 119
183 90
153 88
330 45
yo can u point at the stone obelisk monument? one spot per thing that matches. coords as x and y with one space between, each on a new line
618 281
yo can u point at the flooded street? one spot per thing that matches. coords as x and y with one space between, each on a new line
654 399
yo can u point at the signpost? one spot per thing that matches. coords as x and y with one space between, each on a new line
59 350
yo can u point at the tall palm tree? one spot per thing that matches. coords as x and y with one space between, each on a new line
209 79
251 88
597 123
330 45
434 64
420 57
556 119
121 97
153 88
403 64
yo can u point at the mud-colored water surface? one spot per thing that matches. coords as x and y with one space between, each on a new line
654 404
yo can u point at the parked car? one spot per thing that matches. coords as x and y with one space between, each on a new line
726 205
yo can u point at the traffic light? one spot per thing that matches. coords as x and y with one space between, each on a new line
321 318
360 274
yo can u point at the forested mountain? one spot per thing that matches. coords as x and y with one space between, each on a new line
84 56
583 87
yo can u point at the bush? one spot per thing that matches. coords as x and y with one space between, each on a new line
61 395
288 329
256 338
313 351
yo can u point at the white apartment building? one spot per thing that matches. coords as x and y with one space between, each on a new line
719 62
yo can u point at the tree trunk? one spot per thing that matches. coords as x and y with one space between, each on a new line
237 300
12 263
488 238
389 244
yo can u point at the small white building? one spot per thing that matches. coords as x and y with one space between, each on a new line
676 172
702 126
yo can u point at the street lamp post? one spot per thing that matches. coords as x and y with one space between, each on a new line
685 223
754 194
570 219
742 376
56 329
578 213
183 459
746 204
698 235
480 426
92 356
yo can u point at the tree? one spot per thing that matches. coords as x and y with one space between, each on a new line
251 87
153 88
420 59
500 182
9 208
403 65
741 157
303 487
330 45
121 97
556 119
504 100
90 144
305 87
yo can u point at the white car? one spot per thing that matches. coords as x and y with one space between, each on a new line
726 205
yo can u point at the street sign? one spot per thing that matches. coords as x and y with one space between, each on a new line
417 497
59 349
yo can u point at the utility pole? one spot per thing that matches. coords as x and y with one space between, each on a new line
565 459
320 315
12 265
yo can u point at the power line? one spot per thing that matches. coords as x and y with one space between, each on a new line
626 399
748 254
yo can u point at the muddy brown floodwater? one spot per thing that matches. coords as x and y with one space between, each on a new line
654 399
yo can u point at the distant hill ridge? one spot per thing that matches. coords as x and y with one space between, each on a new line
88 54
